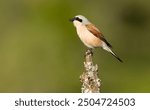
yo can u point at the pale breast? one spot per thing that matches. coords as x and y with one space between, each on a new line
88 38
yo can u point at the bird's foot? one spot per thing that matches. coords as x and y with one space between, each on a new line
89 52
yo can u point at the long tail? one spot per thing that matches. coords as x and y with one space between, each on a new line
105 47
116 56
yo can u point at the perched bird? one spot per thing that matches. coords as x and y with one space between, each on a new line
90 35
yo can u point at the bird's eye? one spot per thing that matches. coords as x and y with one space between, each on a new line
78 19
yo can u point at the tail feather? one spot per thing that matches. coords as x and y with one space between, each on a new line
105 47
116 56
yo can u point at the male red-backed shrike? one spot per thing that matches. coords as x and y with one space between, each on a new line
90 35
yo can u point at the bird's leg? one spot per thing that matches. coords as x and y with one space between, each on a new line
89 52
88 55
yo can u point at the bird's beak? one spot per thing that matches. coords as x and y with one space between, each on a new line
72 19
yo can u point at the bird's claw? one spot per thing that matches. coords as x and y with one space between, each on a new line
89 52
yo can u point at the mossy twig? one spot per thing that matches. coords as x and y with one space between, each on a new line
89 78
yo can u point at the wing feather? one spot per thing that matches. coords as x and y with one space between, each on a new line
95 31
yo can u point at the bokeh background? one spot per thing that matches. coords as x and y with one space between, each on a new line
41 52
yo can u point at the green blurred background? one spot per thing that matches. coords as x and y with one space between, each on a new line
41 52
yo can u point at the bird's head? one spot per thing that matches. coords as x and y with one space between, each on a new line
79 19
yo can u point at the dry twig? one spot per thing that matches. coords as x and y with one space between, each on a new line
89 78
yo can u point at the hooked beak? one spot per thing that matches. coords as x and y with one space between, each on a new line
72 19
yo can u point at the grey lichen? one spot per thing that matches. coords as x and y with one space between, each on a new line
89 78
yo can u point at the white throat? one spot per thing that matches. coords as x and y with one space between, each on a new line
77 23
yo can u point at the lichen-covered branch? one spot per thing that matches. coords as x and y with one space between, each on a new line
89 78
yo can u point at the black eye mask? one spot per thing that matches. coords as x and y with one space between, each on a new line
76 18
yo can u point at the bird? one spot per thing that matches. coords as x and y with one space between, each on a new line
91 36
